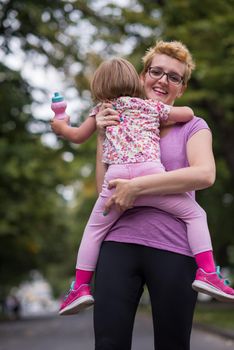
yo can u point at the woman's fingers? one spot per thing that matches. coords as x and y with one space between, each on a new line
122 198
106 117
110 202
105 105
108 114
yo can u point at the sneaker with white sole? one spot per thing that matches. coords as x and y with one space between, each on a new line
76 300
214 285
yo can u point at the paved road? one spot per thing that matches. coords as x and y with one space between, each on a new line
75 333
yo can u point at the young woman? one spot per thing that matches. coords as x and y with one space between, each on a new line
131 149
148 246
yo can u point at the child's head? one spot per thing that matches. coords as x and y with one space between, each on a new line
114 78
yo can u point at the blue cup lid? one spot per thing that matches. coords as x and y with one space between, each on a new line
57 97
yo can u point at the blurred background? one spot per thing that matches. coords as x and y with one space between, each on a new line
47 184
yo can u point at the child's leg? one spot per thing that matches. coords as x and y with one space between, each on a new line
95 232
205 261
98 224
79 295
182 206
208 280
185 208
82 277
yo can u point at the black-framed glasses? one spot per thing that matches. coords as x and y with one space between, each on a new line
158 73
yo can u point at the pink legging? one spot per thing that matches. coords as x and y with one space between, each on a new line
182 206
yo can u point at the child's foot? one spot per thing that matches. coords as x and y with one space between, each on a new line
76 300
214 285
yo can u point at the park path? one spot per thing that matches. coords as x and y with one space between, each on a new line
75 333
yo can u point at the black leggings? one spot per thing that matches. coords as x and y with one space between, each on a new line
122 271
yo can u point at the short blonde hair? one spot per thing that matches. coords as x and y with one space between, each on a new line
114 78
174 49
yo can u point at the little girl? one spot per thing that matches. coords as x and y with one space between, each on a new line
131 149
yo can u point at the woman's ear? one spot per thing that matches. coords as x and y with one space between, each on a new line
182 90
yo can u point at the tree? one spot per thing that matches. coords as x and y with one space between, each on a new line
37 224
208 31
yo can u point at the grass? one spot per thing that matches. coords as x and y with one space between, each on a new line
215 314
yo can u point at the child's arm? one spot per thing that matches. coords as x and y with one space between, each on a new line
180 114
168 113
74 134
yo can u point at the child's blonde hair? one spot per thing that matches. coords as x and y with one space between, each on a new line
174 49
114 78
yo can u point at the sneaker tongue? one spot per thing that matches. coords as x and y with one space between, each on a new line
218 271
225 281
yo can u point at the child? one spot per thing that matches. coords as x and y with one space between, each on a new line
131 149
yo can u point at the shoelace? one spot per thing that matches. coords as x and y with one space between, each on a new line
225 281
71 289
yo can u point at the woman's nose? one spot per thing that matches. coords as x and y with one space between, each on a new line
163 79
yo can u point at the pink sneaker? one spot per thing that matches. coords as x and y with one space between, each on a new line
76 300
214 285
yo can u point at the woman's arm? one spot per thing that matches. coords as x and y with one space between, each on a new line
199 175
74 134
105 117
100 166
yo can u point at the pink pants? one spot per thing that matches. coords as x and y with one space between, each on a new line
182 206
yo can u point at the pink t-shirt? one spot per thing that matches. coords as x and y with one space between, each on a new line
136 138
150 226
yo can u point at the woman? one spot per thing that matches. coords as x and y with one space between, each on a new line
147 246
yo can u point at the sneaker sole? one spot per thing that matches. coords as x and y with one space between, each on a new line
77 305
205 288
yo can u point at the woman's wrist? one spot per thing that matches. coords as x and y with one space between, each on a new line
135 187
100 135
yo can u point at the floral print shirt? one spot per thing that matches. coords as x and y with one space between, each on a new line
136 138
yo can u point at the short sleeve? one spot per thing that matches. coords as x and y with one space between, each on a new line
165 110
195 125
162 110
94 111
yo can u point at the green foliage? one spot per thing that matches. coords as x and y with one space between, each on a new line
38 227
215 315
32 213
208 32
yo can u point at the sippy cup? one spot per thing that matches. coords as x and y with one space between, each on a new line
58 106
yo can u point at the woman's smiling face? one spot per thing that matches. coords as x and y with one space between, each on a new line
162 89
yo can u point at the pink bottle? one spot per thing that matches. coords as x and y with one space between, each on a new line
58 105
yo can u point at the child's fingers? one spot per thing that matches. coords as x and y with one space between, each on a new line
67 119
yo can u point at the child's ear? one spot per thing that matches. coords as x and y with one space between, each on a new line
142 79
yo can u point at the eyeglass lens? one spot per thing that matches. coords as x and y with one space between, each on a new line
158 73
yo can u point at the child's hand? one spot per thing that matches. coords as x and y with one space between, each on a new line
58 125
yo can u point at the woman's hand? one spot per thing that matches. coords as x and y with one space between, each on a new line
57 125
107 116
123 197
